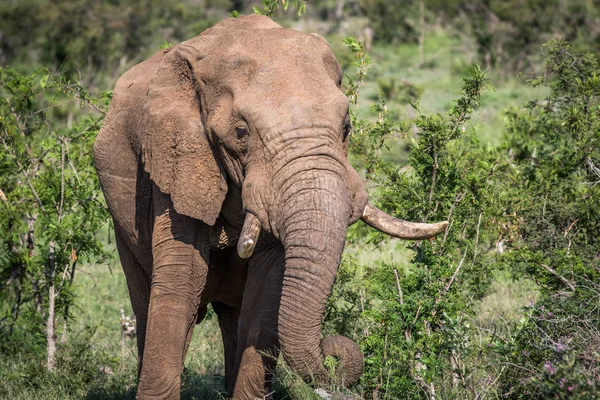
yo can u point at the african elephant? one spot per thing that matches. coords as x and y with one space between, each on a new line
238 136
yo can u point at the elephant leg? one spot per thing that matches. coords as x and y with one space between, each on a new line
138 283
258 341
228 322
178 279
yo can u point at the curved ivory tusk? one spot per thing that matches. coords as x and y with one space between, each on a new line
249 236
399 228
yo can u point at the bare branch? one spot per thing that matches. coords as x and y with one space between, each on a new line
594 170
567 282
50 336
62 179
25 175
400 296
407 332
477 235
433 182
71 162
447 288
457 199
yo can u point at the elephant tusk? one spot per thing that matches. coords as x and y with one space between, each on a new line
249 236
385 223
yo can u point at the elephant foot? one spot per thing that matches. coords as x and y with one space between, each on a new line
250 382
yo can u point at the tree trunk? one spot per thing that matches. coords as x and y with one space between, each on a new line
50 336
421 32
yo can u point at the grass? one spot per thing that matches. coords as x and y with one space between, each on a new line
501 308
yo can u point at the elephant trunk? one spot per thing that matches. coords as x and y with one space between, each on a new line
312 226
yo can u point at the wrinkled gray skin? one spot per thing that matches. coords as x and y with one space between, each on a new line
246 117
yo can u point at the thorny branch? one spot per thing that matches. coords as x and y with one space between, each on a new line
25 175
62 179
457 199
477 236
447 288
567 282
594 170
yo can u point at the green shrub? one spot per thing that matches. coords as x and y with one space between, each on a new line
50 204
529 208
553 189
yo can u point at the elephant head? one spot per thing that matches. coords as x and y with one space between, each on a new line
251 104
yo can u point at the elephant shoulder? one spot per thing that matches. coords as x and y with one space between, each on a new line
133 85
125 117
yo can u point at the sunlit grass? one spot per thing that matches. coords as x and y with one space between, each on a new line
102 292
502 306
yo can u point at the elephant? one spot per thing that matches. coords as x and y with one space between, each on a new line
223 162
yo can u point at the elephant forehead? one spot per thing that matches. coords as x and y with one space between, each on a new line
275 51
285 108
276 42
278 77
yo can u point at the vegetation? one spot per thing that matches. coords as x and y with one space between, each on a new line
50 210
512 208
503 305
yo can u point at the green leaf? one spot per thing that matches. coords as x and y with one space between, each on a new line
165 45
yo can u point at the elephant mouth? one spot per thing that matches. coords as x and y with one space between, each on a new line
371 215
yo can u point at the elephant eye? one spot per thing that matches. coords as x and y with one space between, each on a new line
347 130
241 132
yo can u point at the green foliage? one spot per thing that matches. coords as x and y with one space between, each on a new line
553 147
414 316
420 331
403 92
391 22
83 370
270 7
84 37
165 45
534 200
346 302
353 84
51 207
510 32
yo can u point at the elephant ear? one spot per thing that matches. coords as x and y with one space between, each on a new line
178 153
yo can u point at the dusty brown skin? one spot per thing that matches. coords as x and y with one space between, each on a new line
246 119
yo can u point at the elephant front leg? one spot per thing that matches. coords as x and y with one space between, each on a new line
178 279
228 322
258 341
138 283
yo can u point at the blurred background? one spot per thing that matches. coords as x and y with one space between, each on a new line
420 46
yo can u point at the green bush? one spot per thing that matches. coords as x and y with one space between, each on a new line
51 208
553 189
